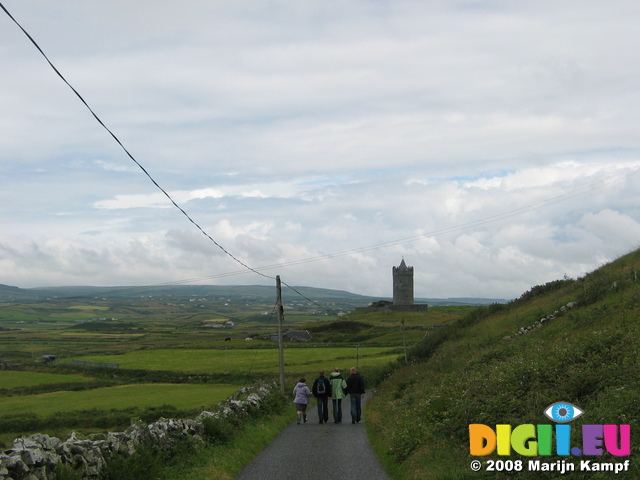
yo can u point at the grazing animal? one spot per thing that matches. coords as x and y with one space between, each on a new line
248 339
228 339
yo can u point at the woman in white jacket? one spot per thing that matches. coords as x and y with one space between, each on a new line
302 398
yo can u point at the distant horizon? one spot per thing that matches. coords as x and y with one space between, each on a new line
417 299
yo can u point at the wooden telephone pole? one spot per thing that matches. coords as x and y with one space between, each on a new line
404 341
280 321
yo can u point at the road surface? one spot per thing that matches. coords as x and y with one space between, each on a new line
314 451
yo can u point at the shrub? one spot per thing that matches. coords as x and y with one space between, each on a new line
145 463
219 431
65 471
19 422
540 290
275 402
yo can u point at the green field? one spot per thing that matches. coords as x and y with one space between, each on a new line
13 379
298 360
183 396
173 352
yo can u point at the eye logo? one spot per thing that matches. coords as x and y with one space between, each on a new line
562 412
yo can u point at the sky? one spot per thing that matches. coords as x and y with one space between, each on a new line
492 145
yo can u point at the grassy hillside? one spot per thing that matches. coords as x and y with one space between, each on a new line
502 365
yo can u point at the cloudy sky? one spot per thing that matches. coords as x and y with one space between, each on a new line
491 144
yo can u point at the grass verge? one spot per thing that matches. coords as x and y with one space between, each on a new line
218 456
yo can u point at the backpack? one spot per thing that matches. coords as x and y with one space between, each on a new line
320 388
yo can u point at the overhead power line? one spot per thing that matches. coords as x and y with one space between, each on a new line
144 170
175 204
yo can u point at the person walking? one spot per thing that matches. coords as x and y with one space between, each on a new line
322 391
355 389
301 398
338 384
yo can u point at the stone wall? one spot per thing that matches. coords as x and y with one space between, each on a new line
543 321
37 457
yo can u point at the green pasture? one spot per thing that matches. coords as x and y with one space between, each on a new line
13 379
88 308
182 396
297 359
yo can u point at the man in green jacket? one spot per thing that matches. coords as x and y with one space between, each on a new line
338 384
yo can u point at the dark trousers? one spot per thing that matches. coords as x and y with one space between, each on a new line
337 409
356 407
323 409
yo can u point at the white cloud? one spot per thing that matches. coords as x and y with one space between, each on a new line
493 140
613 227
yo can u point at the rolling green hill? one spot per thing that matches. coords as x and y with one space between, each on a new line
247 292
572 340
259 292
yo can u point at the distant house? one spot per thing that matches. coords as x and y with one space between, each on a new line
293 336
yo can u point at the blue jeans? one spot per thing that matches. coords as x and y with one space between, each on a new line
337 409
356 407
323 409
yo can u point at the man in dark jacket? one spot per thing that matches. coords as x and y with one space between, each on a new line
355 389
322 391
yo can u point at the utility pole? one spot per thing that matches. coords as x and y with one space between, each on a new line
280 321
404 338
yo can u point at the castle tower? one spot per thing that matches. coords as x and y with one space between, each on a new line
402 284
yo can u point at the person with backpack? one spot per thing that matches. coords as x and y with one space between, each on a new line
322 391
338 384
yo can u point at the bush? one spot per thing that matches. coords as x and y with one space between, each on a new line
540 290
19 422
145 463
374 376
275 402
67 472
219 431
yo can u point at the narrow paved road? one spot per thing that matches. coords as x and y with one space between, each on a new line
318 451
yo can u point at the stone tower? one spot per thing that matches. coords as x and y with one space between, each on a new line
402 284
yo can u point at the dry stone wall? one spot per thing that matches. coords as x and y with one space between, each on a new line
37 457
540 323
